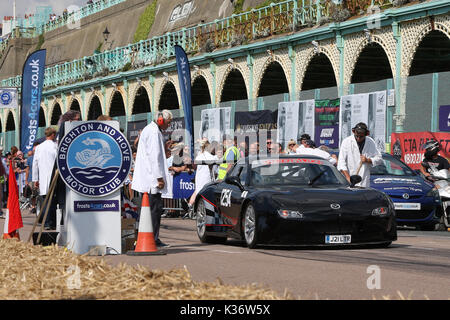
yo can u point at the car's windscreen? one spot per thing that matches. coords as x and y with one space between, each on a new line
391 167
288 172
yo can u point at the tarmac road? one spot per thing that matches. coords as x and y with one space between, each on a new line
416 266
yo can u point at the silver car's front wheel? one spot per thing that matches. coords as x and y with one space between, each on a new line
250 227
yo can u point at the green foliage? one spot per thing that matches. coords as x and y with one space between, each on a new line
99 47
126 67
41 41
238 6
145 23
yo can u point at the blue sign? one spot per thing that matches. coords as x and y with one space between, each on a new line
94 159
183 187
32 83
184 78
444 118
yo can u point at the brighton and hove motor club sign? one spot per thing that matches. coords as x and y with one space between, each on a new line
94 159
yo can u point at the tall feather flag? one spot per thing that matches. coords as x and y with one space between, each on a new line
184 78
13 220
32 85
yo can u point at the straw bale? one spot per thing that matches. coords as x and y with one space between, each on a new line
45 273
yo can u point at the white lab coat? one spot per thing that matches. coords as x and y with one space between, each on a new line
317 152
151 163
43 162
203 174
349 158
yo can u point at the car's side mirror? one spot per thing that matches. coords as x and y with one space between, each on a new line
355 179
235 181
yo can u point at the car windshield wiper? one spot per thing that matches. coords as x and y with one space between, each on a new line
316 177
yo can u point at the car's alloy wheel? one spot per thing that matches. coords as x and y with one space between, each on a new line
250 227
201 226
201 220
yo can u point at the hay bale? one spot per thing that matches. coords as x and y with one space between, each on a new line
45 273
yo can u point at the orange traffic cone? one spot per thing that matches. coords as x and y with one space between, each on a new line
11 235
146 244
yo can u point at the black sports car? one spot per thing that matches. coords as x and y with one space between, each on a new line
293 200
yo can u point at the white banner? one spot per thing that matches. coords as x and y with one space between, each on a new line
287 123
9 98
294 119
377 118
215 123
369 108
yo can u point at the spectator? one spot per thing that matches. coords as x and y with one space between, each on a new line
203 174
43 162
151 171
311 149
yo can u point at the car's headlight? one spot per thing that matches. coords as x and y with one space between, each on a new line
290 214
434 193
381 211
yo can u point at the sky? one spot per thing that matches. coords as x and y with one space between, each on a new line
29 6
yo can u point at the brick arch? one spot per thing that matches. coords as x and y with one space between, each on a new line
110 98
267 62
305 59
411 49
52 109
134 93
88 105
356 53
225 76
161 88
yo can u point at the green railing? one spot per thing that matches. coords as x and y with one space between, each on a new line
276 18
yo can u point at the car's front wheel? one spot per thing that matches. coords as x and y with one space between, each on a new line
201 226
250 227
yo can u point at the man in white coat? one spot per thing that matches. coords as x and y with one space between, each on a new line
43 162
359 150
150 168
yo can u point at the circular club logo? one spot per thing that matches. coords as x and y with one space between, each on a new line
6 98
94 159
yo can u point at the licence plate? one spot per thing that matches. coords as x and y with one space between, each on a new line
345 238
406 206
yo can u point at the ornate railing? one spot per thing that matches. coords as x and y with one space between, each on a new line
282 17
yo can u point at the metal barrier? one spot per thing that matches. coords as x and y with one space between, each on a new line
173 208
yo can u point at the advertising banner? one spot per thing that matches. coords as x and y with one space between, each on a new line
288 115
294 119
183 187
215 123
134 129
377 118
369 108
32 83
327 122
175 131
184 78
444 118
8 98
247 122
408 146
